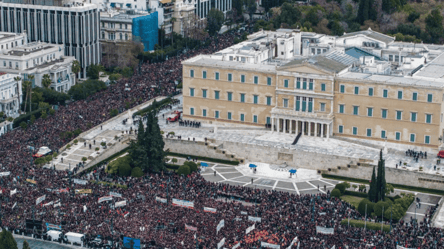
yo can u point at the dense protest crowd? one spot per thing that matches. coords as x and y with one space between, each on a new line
148 213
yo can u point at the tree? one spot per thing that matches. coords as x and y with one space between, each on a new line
26 245
18 79
372 192
137 172
380 181
113 166
251 7
75 68
46 81
389 189
7 241
93 70
362 204
191 165
23 125
215 20
124 169
336 193
289 15
434 24
30 78
237 5
341 187
366 11
183 170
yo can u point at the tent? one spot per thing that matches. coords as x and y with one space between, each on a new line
293 171
252 166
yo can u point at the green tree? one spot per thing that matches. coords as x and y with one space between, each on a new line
366 11
75 68
137 172
237 5
46 81
336 193
396 212
215 20
251 7
372 192
341 187
113 167
7 241
191 165
378 209
26 245
434 24
23 125
289 15
389 189
124 169
380 181
17 80
93 71
183 170
362 204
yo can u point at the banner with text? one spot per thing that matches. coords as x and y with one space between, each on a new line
83 191
325 230
210 210
50 226
191 228
220 225
105 198
163 200
58 204
31 181
221 243
40 199
254 219
115 194
49 203
183 203
244 213
81 182
120 204
5 173
268 245
249 229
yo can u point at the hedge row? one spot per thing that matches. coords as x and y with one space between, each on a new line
172 166
25 117
357 194
370 225
201 158
151 107
398 186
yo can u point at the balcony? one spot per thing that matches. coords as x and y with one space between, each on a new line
305 115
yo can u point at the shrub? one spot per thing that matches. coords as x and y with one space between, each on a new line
191 165
76 141
48 158
97 148
113 166
124 169
396 212
137 172
361 207
84 159
369 225
77 132
183 170
39 160
357 194
68 146
379 206
341 187
10 119
171 133
113 112
103 144
361 187
215 160
54 155
336 193
52 112
174 160
23 125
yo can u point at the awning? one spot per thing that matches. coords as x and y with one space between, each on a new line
165 1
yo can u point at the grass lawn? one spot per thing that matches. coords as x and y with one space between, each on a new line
352 200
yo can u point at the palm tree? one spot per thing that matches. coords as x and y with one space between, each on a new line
18 79
26 85
75 68
46 81
30 78
173 19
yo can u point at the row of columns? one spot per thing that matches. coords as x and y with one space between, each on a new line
307 128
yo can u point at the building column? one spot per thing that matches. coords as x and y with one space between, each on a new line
322 130
309 129
278 125
272 124
297 127
328 131
303 127
316 130
291 124
285 125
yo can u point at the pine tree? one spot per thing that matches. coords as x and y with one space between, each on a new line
381 177
372 192
26 245
7 241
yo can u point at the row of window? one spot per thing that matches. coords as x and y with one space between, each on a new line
385 93
412 137
112 25
230 77
217 114
112 36
384 113
230 96
6 46
303 84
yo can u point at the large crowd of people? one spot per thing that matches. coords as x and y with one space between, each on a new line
283 216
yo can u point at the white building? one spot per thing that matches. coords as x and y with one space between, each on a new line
76 25
38 59
118 25
105 5
10 97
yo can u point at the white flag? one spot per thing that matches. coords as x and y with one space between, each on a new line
84 208
13 192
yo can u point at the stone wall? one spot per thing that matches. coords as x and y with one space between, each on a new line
197 148
393 175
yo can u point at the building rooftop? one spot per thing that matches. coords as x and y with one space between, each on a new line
372 34
211 61
122 16
30 48
391 79
433 69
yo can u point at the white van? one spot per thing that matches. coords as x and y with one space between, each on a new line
54 235
77 238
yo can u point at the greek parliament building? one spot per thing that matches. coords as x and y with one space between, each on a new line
362 85
76 25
